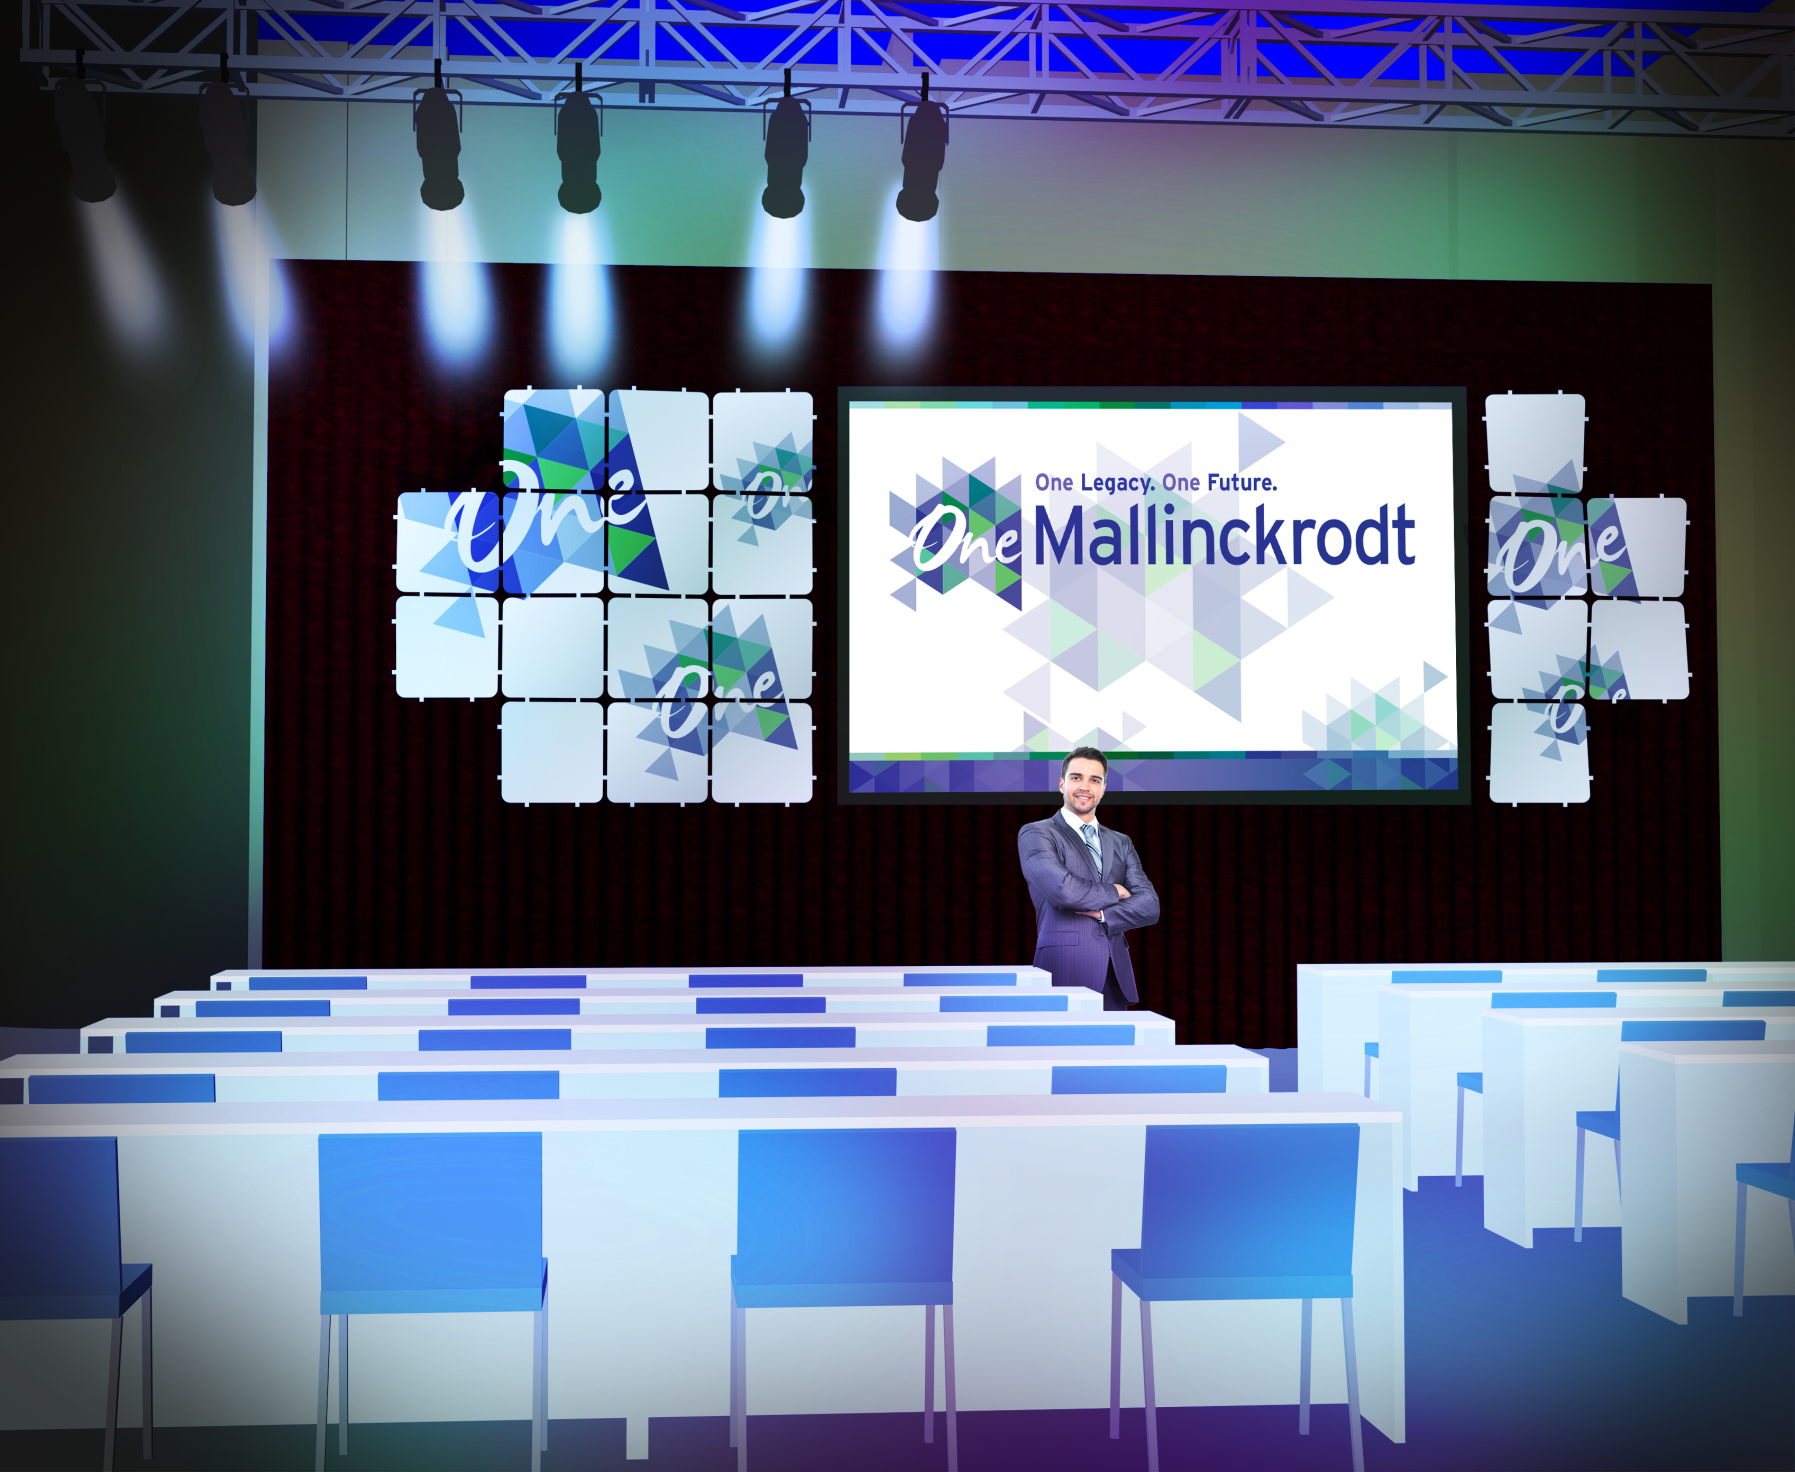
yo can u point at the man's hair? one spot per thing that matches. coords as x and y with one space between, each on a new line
1089 753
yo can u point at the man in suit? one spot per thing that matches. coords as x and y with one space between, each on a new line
1088 887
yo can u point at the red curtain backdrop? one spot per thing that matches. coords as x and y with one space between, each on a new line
387 843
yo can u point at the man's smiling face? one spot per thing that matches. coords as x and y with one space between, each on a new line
1082 786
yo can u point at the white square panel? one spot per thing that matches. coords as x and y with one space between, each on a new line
1638 543
1536 443
553 648
761 544
446 544
551 751
554 439
659 543
763 442
654 642
657 752
661 440
1539 753
1638 651
1537 649
762 752
446 648
761 648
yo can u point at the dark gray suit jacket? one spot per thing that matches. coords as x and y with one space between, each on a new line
1062 879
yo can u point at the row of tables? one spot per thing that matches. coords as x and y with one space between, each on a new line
639 1083
1691 1110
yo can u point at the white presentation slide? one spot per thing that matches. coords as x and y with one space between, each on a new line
1224 597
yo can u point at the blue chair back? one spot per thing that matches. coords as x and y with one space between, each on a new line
1553 999
1150 1078
1729 1030
59 1232
1268 1204
846 1206
1757 999
428 1212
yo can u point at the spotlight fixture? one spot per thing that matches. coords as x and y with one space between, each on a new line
226 136
578 128
787 133
84 136
438 129
925 151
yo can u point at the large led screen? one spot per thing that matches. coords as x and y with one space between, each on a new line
1239 595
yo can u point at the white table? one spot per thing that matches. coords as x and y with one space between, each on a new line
663 1030
684 1073
639 1222
1428 1035
1694 1111
593 978
1336 1005
615 1001
1539 1069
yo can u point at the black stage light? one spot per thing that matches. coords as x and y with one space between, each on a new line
226 135
788 150
439 145
578 128
84 136
925 151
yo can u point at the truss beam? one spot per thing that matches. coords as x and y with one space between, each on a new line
1359 64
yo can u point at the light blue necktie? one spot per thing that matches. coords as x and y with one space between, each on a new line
1088 831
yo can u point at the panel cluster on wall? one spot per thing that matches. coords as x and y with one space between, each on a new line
1584 597
636 598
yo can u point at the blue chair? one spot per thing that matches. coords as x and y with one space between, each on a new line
1473 1082
429 1224
1241 1211
1606 1122
1778 1178
835 1218
59 1251
1370 1053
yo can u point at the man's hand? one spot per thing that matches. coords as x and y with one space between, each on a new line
1094 914
1123 892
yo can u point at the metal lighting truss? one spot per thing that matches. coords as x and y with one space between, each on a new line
1477 68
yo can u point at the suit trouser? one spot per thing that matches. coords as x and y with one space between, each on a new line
1114 999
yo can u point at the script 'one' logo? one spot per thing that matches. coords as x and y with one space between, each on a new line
966 530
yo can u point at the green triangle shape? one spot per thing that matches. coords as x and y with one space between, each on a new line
769 720
1207 660
1006 576
1064 629
1113 660
627 546
1613 575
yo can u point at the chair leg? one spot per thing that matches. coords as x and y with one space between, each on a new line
1577 1229
947 1355
1352 1386
1458 1168
536 1391
1739 1254
741 1384
342 1385
118 1344
1115 1358
543 1316
1617 1167
323 1388
149 1372
1367 1075
928 1373
1147 1386
1302 1412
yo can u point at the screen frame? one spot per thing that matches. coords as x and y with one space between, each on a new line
1249 396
